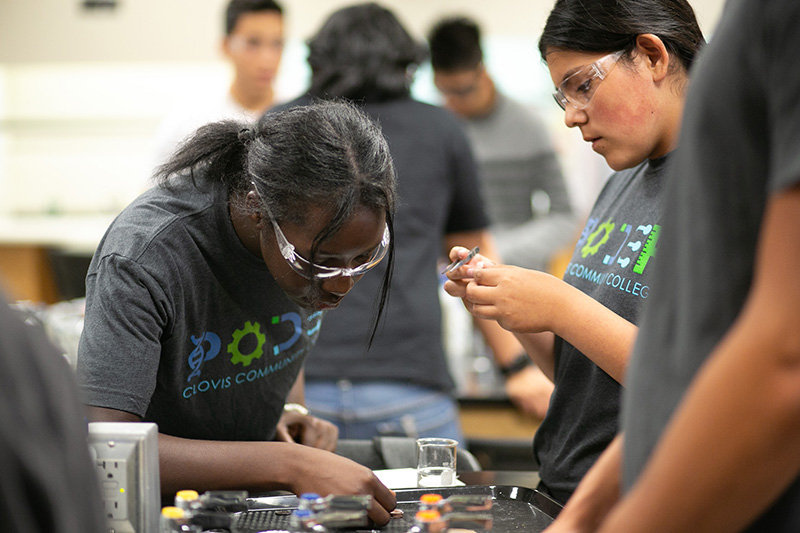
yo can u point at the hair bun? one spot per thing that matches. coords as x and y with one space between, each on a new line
246 135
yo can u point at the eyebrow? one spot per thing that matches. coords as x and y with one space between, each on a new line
571 72
324 256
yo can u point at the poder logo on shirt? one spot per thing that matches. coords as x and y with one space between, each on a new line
625 250
246 344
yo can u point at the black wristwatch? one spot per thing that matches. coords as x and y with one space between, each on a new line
520 363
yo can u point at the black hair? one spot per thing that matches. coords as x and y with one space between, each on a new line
237 8
611 25
362 52
455 44
326 154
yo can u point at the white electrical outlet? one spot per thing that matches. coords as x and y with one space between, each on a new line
126 460
114 478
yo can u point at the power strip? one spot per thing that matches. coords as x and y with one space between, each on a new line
126 459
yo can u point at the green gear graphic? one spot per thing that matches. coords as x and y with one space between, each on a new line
233 347
606 227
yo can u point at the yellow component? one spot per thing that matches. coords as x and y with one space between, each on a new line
430 499
428 515
121 490
172 512
188 495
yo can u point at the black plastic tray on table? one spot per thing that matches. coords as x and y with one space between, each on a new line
513 509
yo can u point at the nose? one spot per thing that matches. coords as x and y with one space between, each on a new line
338 286
270 53
573 116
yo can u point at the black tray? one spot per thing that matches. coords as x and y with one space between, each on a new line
514 509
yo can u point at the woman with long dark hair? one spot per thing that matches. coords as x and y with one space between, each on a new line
207 293
621 69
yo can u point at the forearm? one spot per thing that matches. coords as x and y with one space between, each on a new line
219 465
600 334
730 450
737 425
258 466
539 347
211 465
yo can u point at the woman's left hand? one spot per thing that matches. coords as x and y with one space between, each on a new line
308 430
520 300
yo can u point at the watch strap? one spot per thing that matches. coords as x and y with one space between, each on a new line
521 362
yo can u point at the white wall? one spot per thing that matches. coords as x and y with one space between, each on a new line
186 30
81 93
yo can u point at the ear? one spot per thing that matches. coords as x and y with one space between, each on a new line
252 207
225 46
654 52
483 73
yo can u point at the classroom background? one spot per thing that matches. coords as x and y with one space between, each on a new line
85 83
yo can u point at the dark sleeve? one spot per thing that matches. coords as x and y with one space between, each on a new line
127 313
783 88
48 483
467 211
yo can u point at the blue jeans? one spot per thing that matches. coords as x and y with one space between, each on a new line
363 410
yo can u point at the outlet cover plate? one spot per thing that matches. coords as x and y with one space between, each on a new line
126 460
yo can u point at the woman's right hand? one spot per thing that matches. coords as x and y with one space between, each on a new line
327 473
458 279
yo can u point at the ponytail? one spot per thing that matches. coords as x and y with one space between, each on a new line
218 148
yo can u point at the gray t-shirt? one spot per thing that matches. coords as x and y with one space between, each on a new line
612 263
720 182
517 163
184 326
